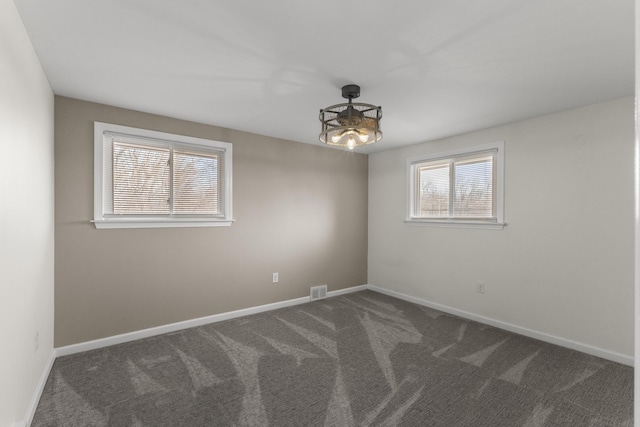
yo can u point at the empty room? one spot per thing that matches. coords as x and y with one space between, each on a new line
340 213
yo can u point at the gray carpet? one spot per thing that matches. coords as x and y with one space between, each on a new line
356 360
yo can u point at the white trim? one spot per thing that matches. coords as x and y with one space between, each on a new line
542 336
145 333
456 224
346 291
157 223
636 222
159 330
42 381
172 327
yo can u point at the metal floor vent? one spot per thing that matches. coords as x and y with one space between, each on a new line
318 292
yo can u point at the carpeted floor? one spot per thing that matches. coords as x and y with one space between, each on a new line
356 360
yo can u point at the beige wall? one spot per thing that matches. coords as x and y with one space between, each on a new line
564 263
26 219
300 210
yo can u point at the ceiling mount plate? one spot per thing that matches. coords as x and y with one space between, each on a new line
350 91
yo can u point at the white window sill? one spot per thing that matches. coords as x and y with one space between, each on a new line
158 223
482 225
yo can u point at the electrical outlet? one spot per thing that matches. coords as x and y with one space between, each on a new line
275 278
36 341
480 288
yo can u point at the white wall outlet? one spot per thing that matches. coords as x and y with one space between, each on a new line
275 278
480 288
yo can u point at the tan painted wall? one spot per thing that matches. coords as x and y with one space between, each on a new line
26 220
300 210
563 265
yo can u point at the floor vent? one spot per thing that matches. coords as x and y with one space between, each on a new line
318 292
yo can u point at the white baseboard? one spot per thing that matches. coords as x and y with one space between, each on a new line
347 291
145 333
172 327
42 381
542 336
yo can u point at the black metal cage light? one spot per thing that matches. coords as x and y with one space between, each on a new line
350 124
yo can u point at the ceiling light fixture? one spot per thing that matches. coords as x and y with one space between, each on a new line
350 124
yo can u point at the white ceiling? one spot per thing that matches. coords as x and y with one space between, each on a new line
437 67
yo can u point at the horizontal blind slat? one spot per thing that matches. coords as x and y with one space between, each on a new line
434 190
196 183
140 179
473 192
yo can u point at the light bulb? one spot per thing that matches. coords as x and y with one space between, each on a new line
351 143
364 137
336 137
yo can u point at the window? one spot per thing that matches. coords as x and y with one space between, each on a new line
458 188
148 179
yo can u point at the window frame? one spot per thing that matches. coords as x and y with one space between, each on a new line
412 195
103 164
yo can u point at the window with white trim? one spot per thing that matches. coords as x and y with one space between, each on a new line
458 188
145 179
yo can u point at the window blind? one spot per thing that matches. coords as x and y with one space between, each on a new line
196 183
140 179
473 197
434 190
156 180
